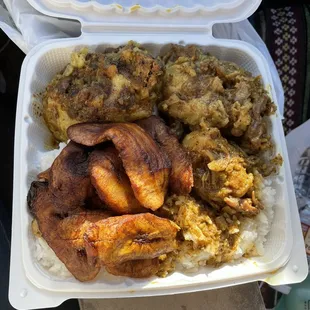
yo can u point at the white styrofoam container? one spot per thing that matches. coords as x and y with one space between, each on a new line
30 285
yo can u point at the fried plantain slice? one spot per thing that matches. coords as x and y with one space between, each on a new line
120 239
44 175
146 165
93 201
181 178
64 235
126 245
111 182
69 181
143 268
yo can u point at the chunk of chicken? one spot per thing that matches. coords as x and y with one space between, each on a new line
220 172
117 85
200 90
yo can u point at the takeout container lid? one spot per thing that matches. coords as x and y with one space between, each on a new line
147 15
112 24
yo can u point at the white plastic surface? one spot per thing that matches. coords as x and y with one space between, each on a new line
30 139
145 14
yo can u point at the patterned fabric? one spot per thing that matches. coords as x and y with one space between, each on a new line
286 32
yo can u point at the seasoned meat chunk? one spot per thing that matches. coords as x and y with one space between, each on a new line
114 86
202 91
220 172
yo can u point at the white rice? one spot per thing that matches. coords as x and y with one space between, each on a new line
48 259
190 262
47 158
253 231
248 237
265 217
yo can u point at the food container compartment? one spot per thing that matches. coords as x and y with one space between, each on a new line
30 285
34 138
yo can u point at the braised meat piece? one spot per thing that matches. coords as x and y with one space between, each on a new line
202 91
119 85
220 172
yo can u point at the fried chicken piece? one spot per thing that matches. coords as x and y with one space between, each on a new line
220 172
69 181
111 182
119 85
201 90
143 268
126 238
181 177
62 234
146 165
